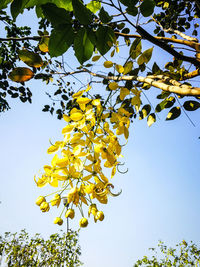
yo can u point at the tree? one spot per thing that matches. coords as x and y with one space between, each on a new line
183 255
99 31
59 250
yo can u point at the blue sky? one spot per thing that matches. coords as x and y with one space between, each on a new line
160 193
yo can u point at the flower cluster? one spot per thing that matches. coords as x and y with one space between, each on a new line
90 146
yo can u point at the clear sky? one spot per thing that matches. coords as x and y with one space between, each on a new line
160 193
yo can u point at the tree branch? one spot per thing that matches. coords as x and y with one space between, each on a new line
34 38
166 47
194 45
159 82
181 34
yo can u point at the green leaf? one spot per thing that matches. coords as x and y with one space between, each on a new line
38 11
129 2
83 47
133 11
81 12
128 67
30 58
173 113
163 95
20 74
105 37
156 69
104 16
144 112
66 4
94 6
60 40
17 7
145 57
55 14
151 119
191 105
4 3
147 8
135 48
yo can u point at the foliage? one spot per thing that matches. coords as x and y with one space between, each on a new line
183 255
59 250
115 43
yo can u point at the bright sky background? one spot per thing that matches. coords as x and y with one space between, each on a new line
160 193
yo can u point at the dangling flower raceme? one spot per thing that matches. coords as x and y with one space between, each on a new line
90 145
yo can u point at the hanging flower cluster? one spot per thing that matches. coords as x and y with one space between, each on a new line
90 145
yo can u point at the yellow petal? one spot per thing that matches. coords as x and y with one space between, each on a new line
47 169
66 118
78 94
83 100
68 129
76 115
86 178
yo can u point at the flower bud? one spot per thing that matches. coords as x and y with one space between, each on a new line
83 222
58 221
44 206
39 200
70 213
99 216
92 209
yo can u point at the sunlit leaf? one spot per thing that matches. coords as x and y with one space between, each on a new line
173 113
20 74
119 68
44 44
151 119
94 6
96 58
108 64
128 67
145 111
30 58
113 85
83 47
136 48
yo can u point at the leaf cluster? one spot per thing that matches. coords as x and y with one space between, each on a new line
184 254
22 250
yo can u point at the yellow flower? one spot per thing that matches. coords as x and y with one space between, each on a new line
83 222
58 221
76 114
55 147
44 206
70 213
39 200
83 101
56 200
73 196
